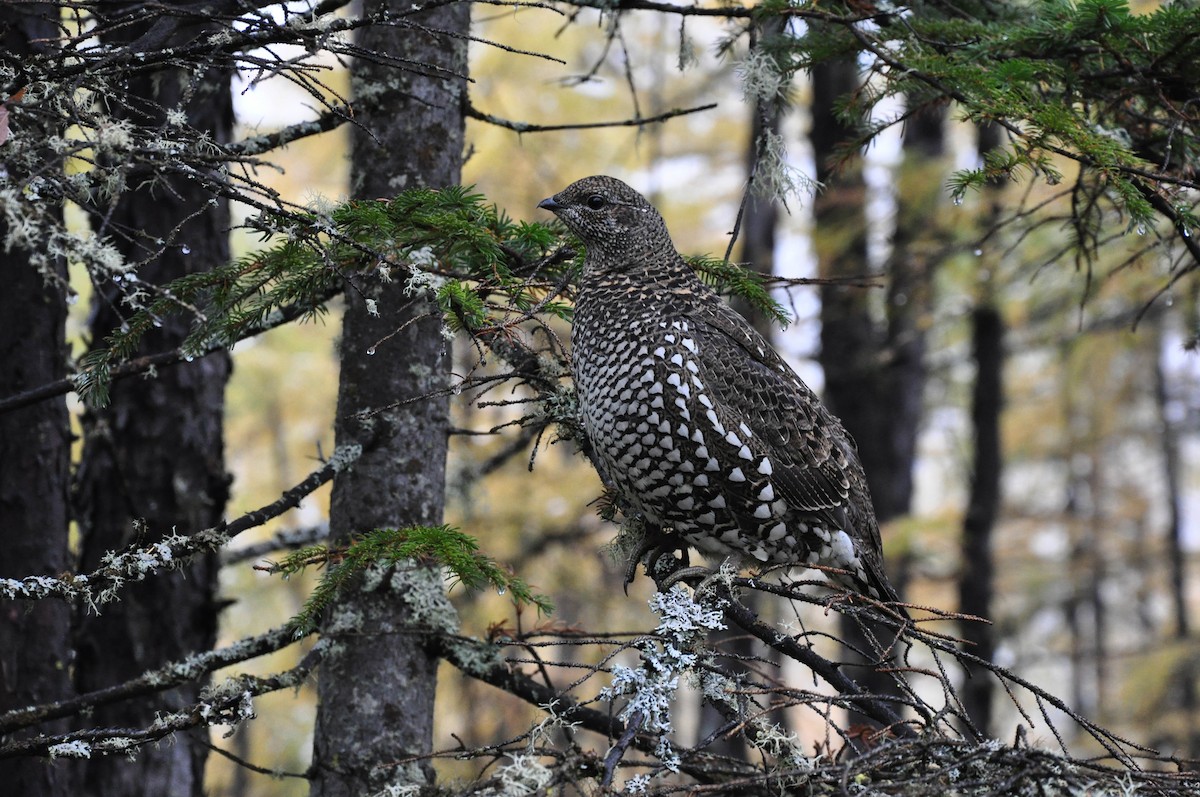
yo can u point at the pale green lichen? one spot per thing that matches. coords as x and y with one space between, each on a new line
75 749
525 775
761 79
424 592
399 790
420 281
687 56
473 657
774 176
114 135
666 657
399 780
344 456
342 619
115 570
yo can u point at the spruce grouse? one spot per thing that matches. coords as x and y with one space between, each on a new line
696 420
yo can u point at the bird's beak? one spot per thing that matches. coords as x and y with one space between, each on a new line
549 204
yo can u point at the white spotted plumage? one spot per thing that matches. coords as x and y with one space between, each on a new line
741 458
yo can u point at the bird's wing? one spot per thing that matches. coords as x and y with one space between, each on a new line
813 459
815 465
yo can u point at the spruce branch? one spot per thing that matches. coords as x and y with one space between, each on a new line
448 547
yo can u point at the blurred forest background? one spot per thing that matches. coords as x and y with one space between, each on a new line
1101 489
953 307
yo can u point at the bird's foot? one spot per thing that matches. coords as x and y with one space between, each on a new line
701 578
654 546
693 576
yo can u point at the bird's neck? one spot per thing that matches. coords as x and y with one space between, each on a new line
663 283
660 268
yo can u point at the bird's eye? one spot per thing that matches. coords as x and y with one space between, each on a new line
595 202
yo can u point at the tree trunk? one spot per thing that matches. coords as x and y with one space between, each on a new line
848 344
35 447
1083 555
760 215
1176 553
874 361
976 580
376 691
153 460
874 367
976 583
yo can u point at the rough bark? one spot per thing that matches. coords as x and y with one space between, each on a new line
976 578
153 460
376 691
35 445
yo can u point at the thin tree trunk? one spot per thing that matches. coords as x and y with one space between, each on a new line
376 693
1081 555
1098 530
35 447
1086 610
1169 441
760 215
153 460
976 585
976 582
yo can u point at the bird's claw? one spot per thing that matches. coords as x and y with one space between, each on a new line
653 547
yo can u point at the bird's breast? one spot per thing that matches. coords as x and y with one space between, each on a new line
675 452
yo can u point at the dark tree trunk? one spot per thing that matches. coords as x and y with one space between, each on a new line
848 344
35 447
376 692
976 578
760 215
976 583
908 304
153 460
874 361
874 367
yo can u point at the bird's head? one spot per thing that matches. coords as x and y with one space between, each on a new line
614 222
